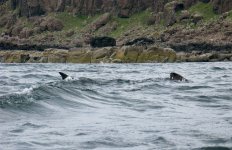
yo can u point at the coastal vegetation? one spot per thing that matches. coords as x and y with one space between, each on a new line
189 27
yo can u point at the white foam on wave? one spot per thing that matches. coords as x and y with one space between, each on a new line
26 90
69 78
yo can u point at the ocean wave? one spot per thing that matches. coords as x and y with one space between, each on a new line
218 68
213 148
74 90
23 97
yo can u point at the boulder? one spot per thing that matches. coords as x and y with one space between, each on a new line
184 15
8 20
212 56
3 56
56 55
77 43
151 20
25 58
70 33
131 53
51 24
200 58
102 53
79 56
15 31
170 10
222 57
157 54
37 57
116 61
196 18
108 28
155 18
14 56
102 41
37 30
101 21
127 54
26 33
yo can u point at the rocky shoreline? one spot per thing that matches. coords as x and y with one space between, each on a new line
142 31
124 54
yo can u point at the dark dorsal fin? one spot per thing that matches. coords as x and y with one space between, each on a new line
63 75
177 77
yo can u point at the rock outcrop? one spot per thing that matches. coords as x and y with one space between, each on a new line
165 10
49 24
125 54
100 22
215 36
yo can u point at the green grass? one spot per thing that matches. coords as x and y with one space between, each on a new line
230 15
81 23
2 30
75 22
204 9
124 24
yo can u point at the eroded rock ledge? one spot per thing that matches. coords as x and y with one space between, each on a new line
125 54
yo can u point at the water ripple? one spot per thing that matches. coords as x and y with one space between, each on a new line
116 106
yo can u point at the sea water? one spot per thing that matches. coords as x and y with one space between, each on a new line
115 106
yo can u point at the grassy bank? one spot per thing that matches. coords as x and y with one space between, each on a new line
205 10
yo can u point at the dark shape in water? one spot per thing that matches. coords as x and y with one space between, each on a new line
177 77
63 75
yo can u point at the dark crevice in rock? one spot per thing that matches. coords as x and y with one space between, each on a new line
141 42
201 46
39 47
102 42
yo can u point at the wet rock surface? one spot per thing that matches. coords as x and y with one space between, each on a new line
125 54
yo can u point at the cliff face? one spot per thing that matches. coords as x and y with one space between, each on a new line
220 6
85 7
123 8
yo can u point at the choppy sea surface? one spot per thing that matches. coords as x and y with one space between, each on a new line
116 106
